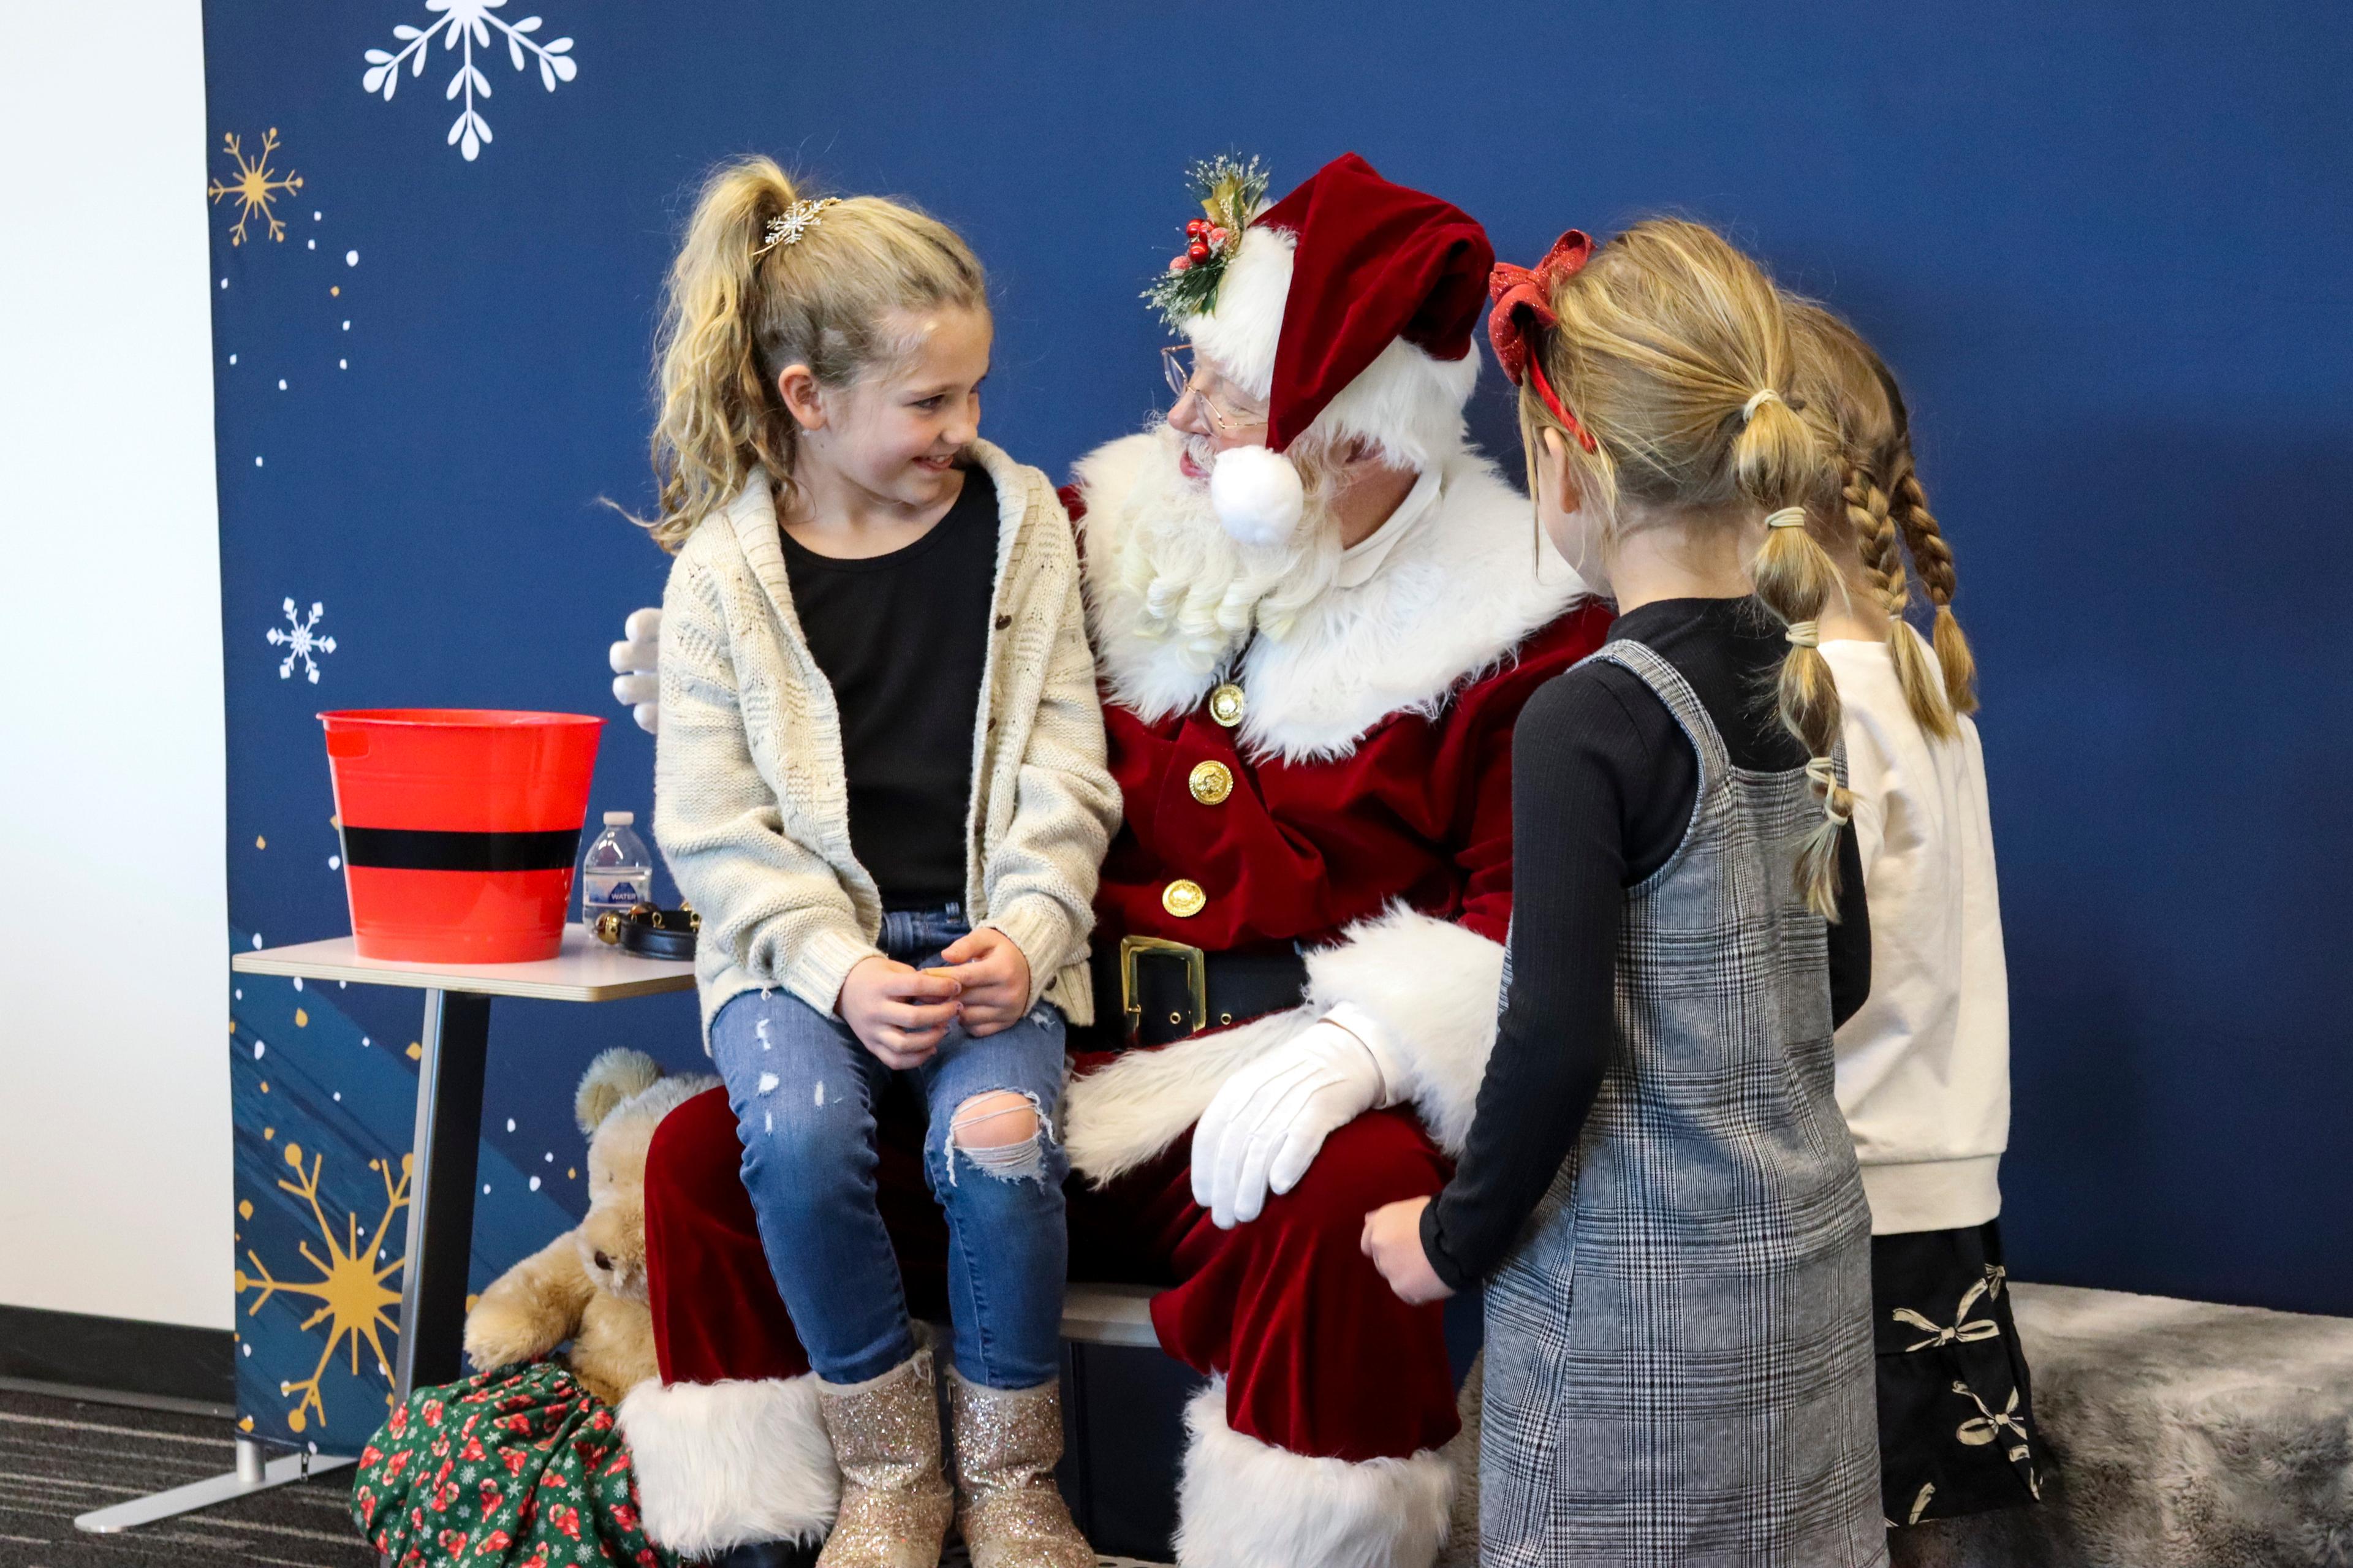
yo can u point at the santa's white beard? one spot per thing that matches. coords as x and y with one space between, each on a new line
1179 579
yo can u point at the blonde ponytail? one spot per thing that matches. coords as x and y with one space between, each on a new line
719 414
1673 351
744 303
1777 460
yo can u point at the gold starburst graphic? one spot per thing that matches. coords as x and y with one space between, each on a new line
350 1286
256 185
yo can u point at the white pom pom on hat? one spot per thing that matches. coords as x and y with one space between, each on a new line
1257 495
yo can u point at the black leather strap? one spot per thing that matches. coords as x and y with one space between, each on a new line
651 933
1241 985
652 942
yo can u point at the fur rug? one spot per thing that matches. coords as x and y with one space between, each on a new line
2181 1435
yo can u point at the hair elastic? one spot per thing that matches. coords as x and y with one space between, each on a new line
1788 517
1756 400
1823 772
1805 633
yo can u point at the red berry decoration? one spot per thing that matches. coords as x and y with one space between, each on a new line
1199 250
1217 237
1179 263
1198 225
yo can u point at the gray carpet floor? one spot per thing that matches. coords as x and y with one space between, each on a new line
60 1457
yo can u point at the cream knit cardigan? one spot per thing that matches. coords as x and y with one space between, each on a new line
751 800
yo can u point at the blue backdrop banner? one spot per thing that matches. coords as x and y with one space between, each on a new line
2101 243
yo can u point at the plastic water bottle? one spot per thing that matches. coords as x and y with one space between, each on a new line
618 873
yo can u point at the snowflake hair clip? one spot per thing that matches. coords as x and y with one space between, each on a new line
787 227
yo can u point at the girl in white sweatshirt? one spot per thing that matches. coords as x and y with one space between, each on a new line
1924 1066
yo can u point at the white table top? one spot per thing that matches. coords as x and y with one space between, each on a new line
585 971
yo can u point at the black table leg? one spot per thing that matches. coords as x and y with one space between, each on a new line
1075 1474
442 1190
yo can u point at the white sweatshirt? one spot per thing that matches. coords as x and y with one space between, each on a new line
1923 1068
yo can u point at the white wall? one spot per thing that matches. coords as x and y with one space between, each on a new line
114 1113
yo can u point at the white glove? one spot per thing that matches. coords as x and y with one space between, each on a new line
635 663
1269 1120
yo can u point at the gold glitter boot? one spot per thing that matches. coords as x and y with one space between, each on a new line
895 1503
1007 1441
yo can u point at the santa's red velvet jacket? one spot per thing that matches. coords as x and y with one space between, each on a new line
1361 807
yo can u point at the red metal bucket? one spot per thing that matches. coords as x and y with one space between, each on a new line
461 828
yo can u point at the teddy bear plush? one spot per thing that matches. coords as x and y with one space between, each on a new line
589 1285
544 1463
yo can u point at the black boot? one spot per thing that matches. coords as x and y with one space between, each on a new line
769 1554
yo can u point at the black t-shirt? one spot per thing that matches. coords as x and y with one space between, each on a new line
1603 784
903 640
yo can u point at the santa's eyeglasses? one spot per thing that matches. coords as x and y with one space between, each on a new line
1178 362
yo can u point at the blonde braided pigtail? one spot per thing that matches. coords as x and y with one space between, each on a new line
1933 558
1855 402
1874 524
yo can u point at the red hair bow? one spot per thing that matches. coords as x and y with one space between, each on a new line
1523 307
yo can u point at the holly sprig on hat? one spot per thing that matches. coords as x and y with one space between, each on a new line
1231 192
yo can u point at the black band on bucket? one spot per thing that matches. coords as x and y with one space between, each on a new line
433 849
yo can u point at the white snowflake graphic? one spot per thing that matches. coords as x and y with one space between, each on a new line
301 639
463 24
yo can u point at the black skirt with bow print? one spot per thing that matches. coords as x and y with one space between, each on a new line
1956 1432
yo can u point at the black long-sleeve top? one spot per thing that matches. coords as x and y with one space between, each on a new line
1603 785
903 639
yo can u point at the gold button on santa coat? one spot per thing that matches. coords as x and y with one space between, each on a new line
1210 782
1184 898
1225 704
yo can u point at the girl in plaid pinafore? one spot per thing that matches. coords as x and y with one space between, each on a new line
1679 1357
1658 1186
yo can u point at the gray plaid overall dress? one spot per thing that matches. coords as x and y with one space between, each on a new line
1679 1352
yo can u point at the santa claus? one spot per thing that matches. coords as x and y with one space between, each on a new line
1317 614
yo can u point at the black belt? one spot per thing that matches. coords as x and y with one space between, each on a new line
1154 991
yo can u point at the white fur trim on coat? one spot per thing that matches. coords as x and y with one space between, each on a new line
1406 402
1247 1504
1451 601
728 1464
1122 1114
1433 985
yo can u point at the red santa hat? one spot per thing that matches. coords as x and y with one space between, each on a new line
1349 307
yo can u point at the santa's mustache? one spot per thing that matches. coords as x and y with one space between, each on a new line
1202 452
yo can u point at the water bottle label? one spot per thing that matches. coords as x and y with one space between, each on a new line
607 889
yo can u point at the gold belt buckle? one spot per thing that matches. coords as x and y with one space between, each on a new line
1197 980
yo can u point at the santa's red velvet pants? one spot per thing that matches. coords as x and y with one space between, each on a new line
1314 1442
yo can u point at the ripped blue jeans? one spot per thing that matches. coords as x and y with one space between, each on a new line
803 1090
